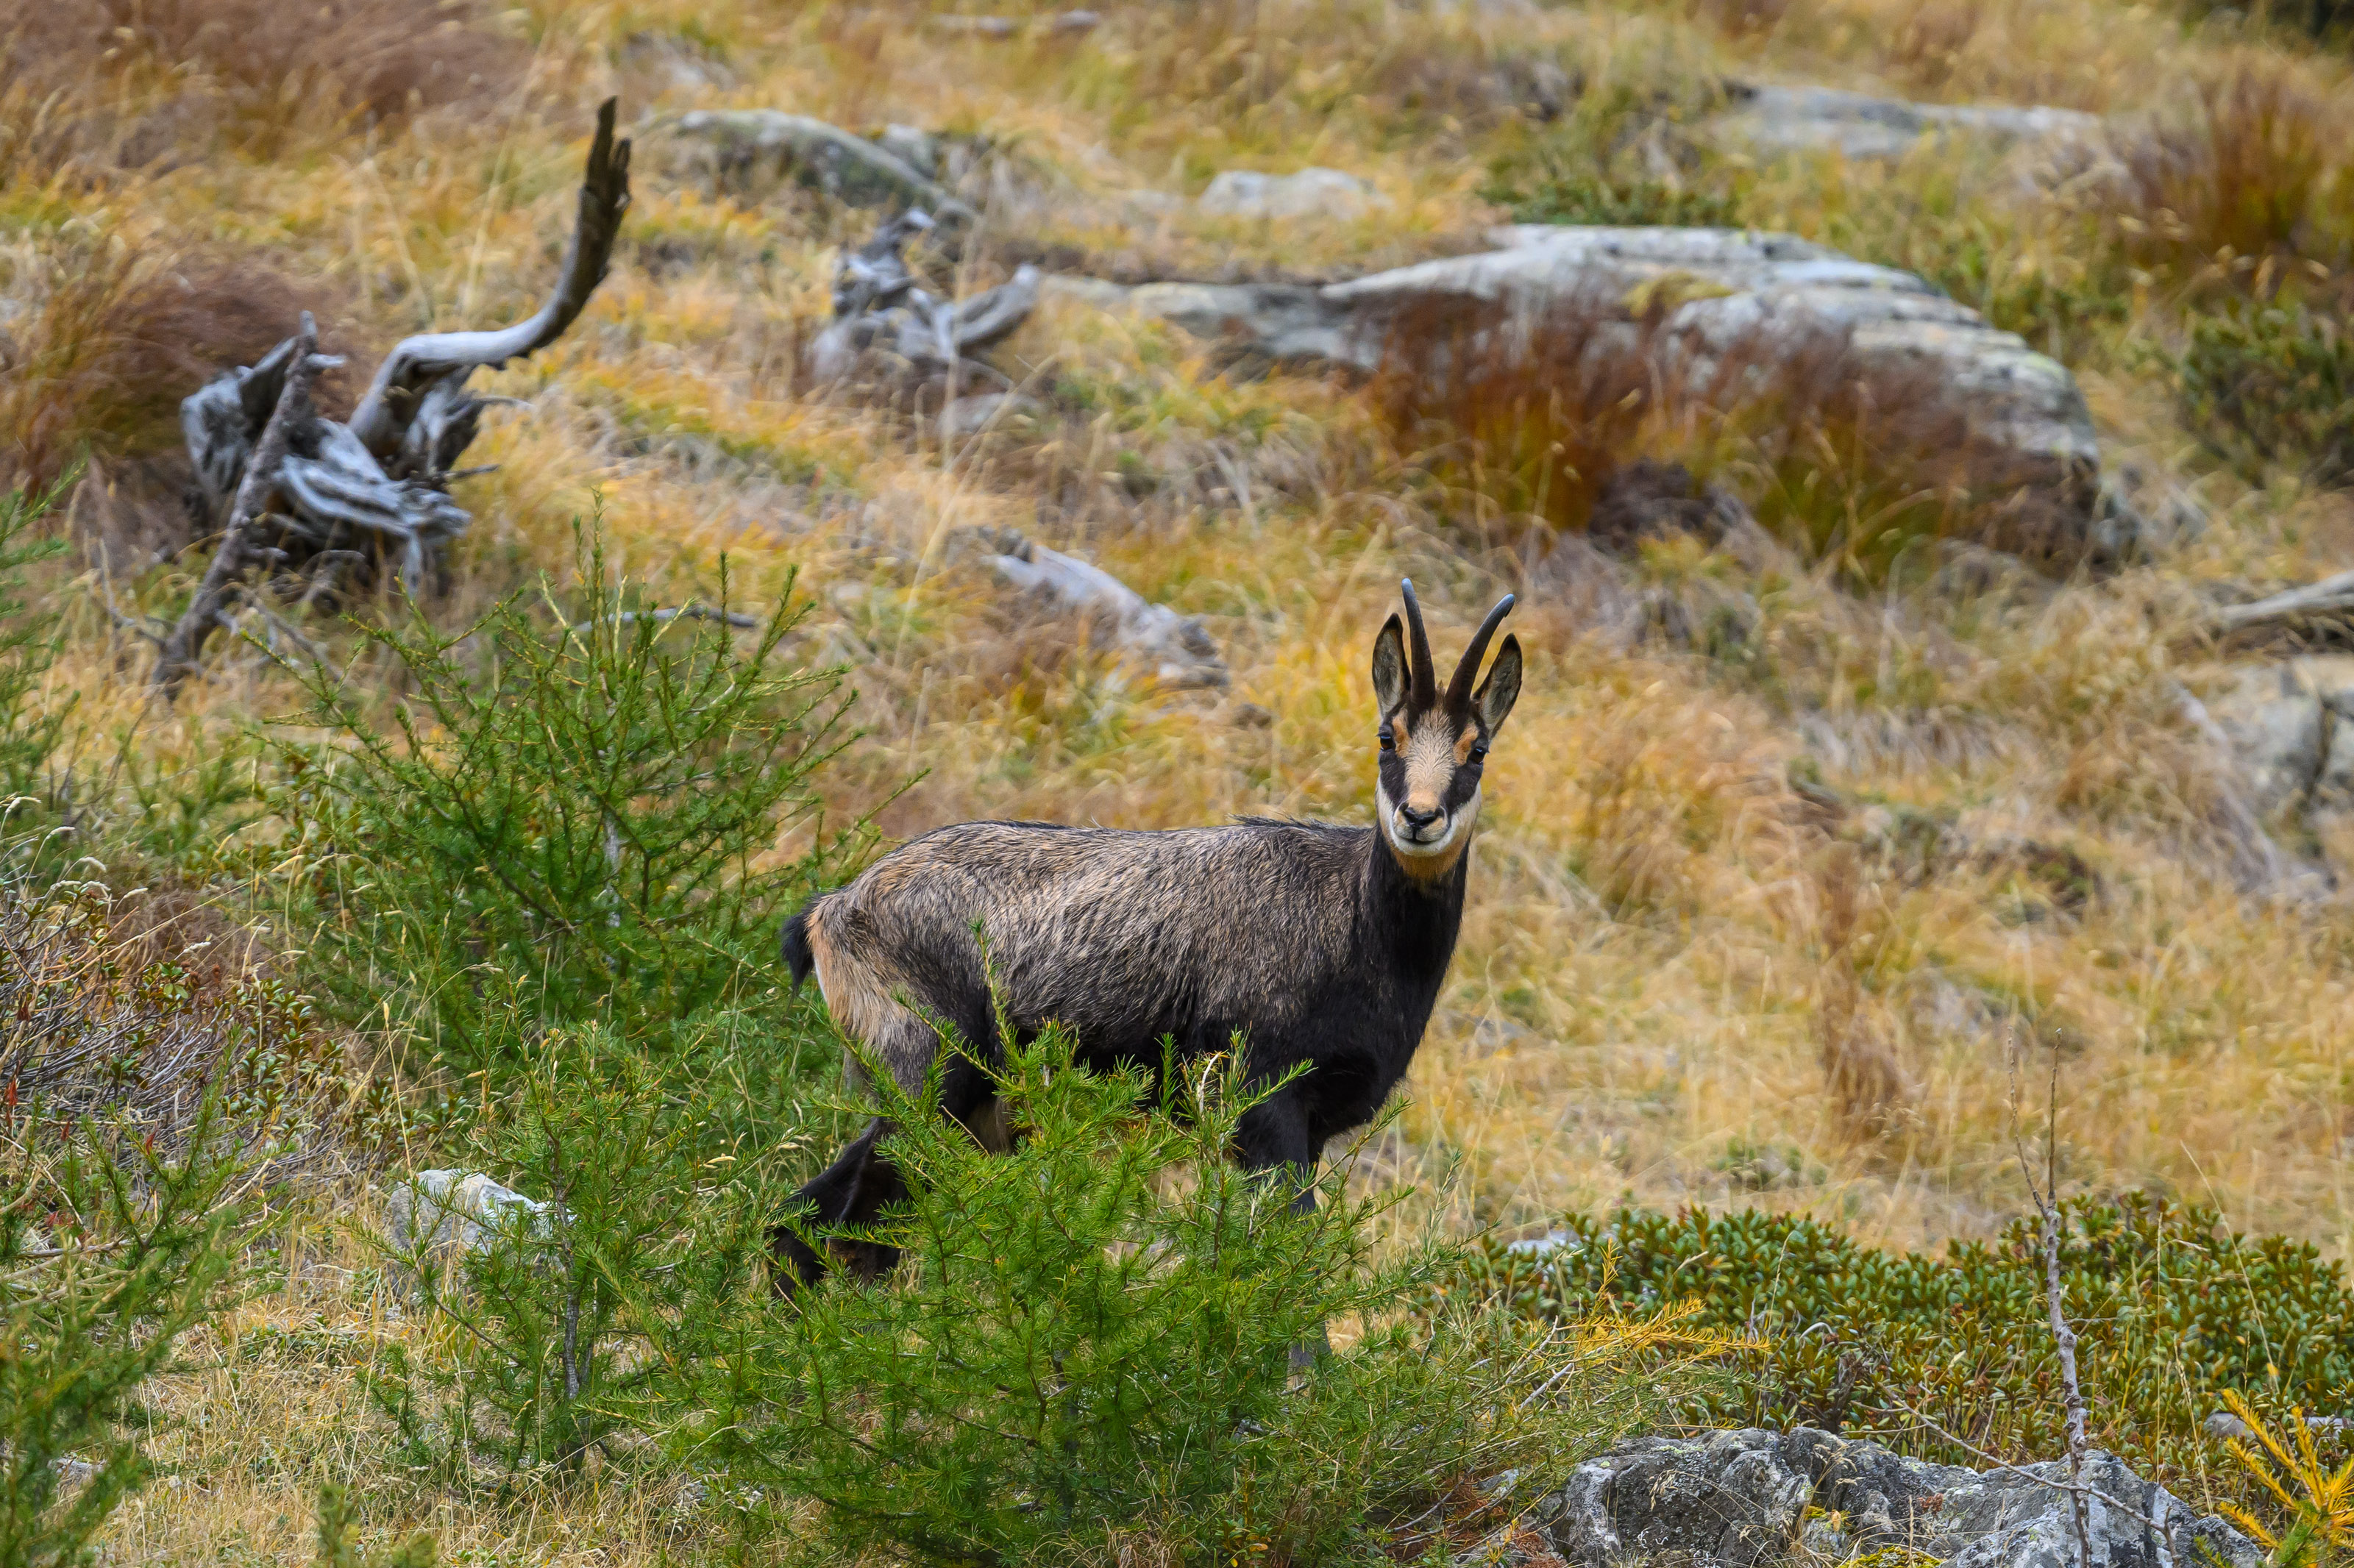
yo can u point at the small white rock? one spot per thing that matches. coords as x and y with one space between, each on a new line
1310 193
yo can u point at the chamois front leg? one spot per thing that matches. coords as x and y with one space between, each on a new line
1272 1136
1272 1141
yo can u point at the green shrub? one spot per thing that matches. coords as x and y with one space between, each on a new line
337 1550
573 810
2271 384
555 1333
1556 195
1603 161
2171 1309
1086 1349
29 641
109 1250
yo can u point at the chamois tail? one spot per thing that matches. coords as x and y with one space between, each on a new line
799 959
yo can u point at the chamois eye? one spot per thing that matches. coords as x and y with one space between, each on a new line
1479 753
1388 738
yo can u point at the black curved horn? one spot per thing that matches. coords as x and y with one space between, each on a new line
1467 673
1426 678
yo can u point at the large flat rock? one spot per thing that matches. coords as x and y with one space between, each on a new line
1801 118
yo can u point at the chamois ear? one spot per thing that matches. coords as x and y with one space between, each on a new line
1389 666
1501 689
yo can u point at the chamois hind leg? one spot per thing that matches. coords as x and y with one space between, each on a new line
862 1182
827 1200
1272 1141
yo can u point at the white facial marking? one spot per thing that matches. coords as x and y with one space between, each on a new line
1400 832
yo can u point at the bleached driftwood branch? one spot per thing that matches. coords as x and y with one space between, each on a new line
878 305
378 485
2330 596
1173 647
416 407
176 658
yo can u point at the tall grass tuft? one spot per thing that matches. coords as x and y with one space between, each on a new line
2242 175
116 85
117 335
1865 1079
1521 417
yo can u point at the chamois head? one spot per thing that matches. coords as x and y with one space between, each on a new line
1432 742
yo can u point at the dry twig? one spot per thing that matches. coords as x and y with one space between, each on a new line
176 656
2047 1207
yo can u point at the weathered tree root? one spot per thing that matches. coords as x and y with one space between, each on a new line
375 487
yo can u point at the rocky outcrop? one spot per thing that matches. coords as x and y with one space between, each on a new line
2290 728
1821 119
1750 1498
849 169
1721 299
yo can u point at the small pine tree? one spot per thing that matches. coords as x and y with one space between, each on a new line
28 642
1087 1354
337 1549
575 809
109 1250
564 1324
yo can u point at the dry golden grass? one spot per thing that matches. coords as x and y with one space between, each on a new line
1671 954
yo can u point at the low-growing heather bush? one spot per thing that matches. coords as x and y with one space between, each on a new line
1087 1352
575 813
2172 1310
2265 384
1552 195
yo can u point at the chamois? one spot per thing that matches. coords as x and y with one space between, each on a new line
1313 943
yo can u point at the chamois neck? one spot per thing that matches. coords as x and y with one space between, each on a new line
1419 917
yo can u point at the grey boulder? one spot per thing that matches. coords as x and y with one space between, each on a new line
445 1214
1744 1498
2289 730
850 168
1777 119
1730 1498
